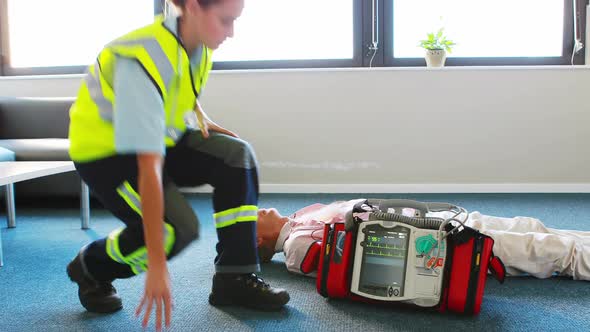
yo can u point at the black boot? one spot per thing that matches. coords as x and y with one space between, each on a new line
247 290
95 296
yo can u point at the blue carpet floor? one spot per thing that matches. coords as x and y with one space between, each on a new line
35 294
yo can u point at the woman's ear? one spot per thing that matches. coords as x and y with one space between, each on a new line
193 6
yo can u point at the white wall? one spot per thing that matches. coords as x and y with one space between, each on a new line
400 129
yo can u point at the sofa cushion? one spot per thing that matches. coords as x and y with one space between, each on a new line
6 155
42 149
34 117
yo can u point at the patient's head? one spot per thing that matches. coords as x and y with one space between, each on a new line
268 228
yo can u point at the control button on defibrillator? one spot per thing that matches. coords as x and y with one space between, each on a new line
419 261
391 291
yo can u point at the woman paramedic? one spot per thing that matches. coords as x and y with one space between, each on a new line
130 144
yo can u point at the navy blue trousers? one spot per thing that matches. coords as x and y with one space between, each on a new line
227 164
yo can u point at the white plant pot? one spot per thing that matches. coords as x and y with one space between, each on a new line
435 58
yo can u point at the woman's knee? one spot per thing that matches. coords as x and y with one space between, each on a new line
240 154
232 151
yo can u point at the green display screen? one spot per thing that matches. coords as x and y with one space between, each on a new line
385 252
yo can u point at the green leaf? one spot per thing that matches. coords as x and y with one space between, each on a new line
437 41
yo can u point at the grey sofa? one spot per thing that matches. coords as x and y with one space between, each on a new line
36 129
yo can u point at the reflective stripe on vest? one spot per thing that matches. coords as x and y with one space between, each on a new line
94 85
156 53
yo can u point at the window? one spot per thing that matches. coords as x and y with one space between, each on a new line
66 33
486 33
481 29
292 33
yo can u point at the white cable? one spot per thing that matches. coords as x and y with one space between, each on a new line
373 56
573 55
374 31
441 236
587 57
374 20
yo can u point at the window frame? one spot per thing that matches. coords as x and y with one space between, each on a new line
565 59
356 61
3 36
362 37
6 70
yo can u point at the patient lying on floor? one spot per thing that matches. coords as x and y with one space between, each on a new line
524 244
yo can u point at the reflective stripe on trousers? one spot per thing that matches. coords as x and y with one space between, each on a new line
230 217
137 260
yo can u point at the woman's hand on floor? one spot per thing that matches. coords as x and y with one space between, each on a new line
158 290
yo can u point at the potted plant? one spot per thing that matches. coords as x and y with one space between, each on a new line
437 45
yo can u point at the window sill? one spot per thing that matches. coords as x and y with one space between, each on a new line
342 69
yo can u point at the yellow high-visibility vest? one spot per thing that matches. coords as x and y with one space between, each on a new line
166 63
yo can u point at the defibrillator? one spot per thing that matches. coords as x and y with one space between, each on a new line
394 251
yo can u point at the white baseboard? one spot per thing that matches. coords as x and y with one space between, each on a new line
415 188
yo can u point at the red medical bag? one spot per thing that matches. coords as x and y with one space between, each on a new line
468 259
